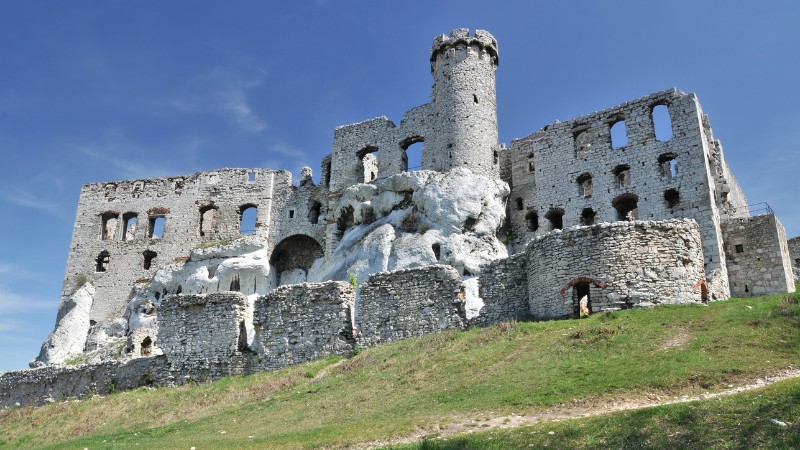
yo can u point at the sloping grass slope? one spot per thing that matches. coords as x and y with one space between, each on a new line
415 385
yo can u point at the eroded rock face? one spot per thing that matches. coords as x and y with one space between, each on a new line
416 219
68 338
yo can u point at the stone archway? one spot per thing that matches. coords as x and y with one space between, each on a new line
294 254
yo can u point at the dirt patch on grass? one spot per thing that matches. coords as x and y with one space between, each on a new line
455 425
679 338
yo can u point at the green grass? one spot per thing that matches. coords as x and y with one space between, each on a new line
417 385
740 421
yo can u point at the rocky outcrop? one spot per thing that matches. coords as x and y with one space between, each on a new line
72 328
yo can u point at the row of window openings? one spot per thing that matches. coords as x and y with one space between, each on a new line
626 206
667 167
662 126
104 258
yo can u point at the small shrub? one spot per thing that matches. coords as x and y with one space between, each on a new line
353 278
77 360
80 280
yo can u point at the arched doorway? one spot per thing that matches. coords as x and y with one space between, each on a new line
294 254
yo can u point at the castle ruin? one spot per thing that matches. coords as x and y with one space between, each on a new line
233 271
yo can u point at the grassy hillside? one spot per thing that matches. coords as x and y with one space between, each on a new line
417 386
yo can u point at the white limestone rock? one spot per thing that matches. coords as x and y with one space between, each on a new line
71 331
416 219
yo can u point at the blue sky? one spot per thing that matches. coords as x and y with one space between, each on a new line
95 91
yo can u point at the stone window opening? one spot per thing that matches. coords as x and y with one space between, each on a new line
583 142
345 221
622 174
475 98
739 248
298 251
619 132
247 219
662 122
208 220
436 251
588 216
156 227
556 218
585 185
627 207
368 164
102 261
797 262
129 221
531 166
581 301
149 257
326 173
672 197
519 203
291 214
532 221
668 164
146 347
314 211
179 291
496 158
251 177
108 227
177 185
235 284
412 153
138 187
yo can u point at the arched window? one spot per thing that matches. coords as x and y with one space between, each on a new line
556 218
619 133
588 216
412 153
583 143
248 215
585 185
626 206
314 210
662 122
368 164
622 173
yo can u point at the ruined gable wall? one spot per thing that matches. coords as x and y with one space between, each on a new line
410 302
177 199
626 264
757 256
558 162
303 322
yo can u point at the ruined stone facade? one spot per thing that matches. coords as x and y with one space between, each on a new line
208 274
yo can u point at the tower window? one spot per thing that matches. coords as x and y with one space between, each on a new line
619 134
247 219
585 185
622 173
102 261
156 227
668 165
532 221
662 122
627 206
556 218
149 257
672 197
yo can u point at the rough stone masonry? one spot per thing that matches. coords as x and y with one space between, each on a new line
232 271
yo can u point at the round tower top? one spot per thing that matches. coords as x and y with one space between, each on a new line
481 38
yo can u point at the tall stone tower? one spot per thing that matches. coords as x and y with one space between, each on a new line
464 116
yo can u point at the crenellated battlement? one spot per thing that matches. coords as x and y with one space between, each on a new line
481 38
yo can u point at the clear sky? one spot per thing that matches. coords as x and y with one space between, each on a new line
108 90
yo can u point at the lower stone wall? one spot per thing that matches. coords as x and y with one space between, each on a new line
617 265
794 255
204 336
49 384
412 302
302 322
503 286
757 256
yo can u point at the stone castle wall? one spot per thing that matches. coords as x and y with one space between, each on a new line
412 302
758 256
571 173
303 322
503 287
794 251
619 265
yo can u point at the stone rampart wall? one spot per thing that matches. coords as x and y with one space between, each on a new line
758 256
412 302
503 286
620 265
302 322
